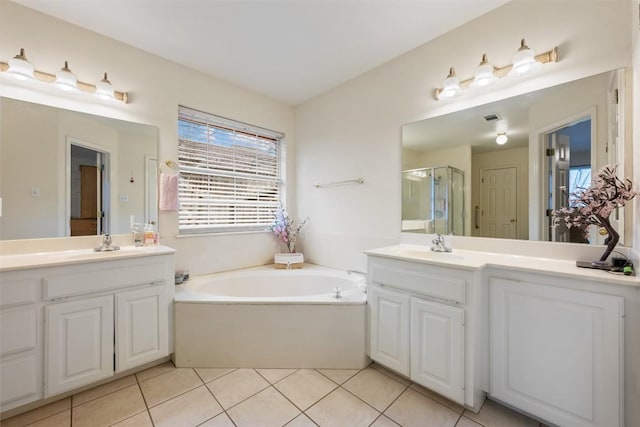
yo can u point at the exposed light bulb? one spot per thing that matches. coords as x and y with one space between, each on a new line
484 74
104 90
20 68
65 79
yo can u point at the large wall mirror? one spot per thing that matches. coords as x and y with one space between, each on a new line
65 173
460 176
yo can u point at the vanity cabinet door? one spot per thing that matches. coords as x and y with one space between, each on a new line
389 328
437 348
557 353
142 327
79 343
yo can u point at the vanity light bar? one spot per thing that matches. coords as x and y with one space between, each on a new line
83 87
542 58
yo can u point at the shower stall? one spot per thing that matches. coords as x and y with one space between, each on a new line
433 200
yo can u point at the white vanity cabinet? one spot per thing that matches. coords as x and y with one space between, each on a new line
556 352
417 325
68 325
21 351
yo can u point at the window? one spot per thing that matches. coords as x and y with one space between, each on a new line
229 174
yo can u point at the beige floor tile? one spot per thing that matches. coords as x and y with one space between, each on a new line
210 374
305 387
301 421
170 384
266 409
340 409
375 388
412 409
189 409
62 419
109 409
103 390
495 415
384 422
140 420
154 371
466 422
435 396
235 387
38 413
275 375
338 376
221 420
390 373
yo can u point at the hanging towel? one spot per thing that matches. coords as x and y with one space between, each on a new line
168 192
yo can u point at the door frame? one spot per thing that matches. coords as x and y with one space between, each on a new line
538 169
109 172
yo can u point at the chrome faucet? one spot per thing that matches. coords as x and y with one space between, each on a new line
439 245
106 245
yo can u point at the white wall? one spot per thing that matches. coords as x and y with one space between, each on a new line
635 18
354 130
156 87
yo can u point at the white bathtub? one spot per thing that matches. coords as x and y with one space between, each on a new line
263 317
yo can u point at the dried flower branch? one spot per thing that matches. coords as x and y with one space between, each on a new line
594 205
284 229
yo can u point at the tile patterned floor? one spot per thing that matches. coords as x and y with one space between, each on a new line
182 397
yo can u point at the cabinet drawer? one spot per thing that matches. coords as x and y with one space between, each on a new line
17 289
105 276
429 280
18 329
19 383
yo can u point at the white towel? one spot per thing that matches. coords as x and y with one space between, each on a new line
168 192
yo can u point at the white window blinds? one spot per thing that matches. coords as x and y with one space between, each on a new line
229 174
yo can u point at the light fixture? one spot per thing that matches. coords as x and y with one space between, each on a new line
65 79
20 68
451 85
524 61
104 89
501 139
484 74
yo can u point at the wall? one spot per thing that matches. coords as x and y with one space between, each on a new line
518 157
361 119
156 87
635 83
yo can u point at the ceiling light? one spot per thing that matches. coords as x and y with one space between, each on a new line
65 79
501 139
451 85
484 74
524 61
20 68
104 89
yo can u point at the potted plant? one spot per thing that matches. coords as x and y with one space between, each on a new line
594 205
287 232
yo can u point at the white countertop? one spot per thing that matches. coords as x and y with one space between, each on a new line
475 260
56 258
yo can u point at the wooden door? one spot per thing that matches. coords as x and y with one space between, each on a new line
88 191
499 195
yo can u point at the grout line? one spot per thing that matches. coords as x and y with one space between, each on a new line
330 379
281 379
224 411
216 378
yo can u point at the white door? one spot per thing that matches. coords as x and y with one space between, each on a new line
79 345
142 327
437 348
559 156
389 328
556 353
499 199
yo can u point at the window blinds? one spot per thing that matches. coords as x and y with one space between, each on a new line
229 174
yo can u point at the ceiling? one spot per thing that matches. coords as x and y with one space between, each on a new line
289 50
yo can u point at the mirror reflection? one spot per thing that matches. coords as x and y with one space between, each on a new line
65 173
518 159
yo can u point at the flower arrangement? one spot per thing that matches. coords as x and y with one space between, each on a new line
284 229
594 205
